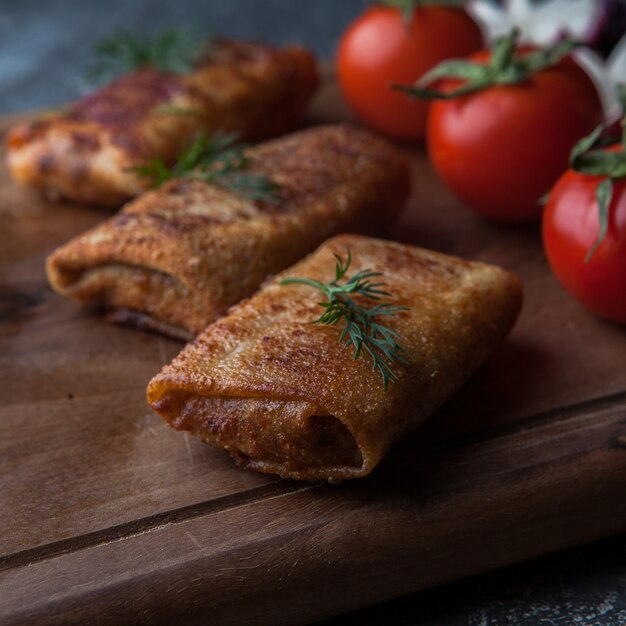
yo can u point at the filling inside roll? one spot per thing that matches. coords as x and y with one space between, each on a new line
103 279
288 435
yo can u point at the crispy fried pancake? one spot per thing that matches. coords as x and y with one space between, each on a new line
178 257
284 397
85 152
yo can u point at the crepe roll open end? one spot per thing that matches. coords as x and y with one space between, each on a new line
292 438
142 297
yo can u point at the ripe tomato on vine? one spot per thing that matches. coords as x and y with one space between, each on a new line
396 42
504 123
584 228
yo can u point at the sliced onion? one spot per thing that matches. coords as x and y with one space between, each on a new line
616 62
542 23
546 22
600 74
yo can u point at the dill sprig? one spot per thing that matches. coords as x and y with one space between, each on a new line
173 51
361 330
218 160
172 109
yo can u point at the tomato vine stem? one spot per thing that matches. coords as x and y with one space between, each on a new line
506 66
589 158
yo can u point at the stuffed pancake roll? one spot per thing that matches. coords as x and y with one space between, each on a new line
86 153
286 396
176 258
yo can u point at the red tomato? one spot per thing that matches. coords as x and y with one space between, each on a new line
380 48
570 228
501 149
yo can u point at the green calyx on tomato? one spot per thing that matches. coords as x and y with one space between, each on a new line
506 66
572 231
587 159
408 6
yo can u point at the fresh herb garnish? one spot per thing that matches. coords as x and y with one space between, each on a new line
173 51
173 109
218 160
588 158
361 330
53 111
505 67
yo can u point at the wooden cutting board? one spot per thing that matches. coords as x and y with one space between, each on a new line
109 516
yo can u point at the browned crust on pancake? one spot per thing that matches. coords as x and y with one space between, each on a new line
278 371
186 252
84 153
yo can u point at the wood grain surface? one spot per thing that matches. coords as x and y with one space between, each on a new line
109 516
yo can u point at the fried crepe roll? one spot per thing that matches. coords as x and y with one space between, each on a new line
176 258
85 153
283 396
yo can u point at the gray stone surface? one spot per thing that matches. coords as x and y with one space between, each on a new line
582 587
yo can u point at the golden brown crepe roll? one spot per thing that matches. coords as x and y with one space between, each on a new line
85 152
176 258
283 396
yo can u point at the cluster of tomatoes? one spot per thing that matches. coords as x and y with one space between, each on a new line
502 148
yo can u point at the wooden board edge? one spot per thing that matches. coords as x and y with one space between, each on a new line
284 487
350 545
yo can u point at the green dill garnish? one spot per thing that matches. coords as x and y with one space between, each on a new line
361 330
173 109
218 160
173 51
53 111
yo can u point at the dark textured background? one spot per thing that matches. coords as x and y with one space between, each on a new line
45 47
